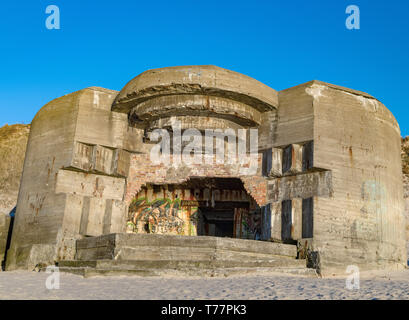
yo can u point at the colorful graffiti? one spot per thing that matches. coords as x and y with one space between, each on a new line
184 211
247 224
162 216
251 226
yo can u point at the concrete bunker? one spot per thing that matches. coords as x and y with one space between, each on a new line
201 206
328 172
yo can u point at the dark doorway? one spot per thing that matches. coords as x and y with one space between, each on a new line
216 222
224 229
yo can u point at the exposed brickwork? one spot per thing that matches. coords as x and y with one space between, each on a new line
256 186
142 172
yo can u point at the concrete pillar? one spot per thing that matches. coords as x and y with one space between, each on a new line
73 213
276 220
292 159
96 217
118 216
277 162
296 229
122 162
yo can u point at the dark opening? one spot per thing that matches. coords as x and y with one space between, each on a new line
287 158
266 224
216 222
224 229
286 219
9 234
146 227
307 218
267 162
307 156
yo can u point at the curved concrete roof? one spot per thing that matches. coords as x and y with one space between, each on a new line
202 80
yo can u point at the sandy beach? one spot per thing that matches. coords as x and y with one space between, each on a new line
32 285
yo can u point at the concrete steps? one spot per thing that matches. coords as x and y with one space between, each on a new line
217 272
184 268
187 264
156 255
124 246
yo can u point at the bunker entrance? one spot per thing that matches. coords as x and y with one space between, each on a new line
218 207
228 219
219 223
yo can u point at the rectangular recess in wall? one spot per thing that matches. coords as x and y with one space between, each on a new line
267 162
307 155
286 219
307 217
266 222
287 158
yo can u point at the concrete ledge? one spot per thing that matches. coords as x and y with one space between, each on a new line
129 246
211 272
184 268
178 264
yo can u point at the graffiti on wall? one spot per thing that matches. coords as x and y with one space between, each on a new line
247 224
162 216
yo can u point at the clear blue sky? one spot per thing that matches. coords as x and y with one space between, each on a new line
281 43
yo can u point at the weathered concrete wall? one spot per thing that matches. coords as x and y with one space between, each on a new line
39 211
328 164
358 139
142 172
75 156
303 185
296 117
98 125
406 203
